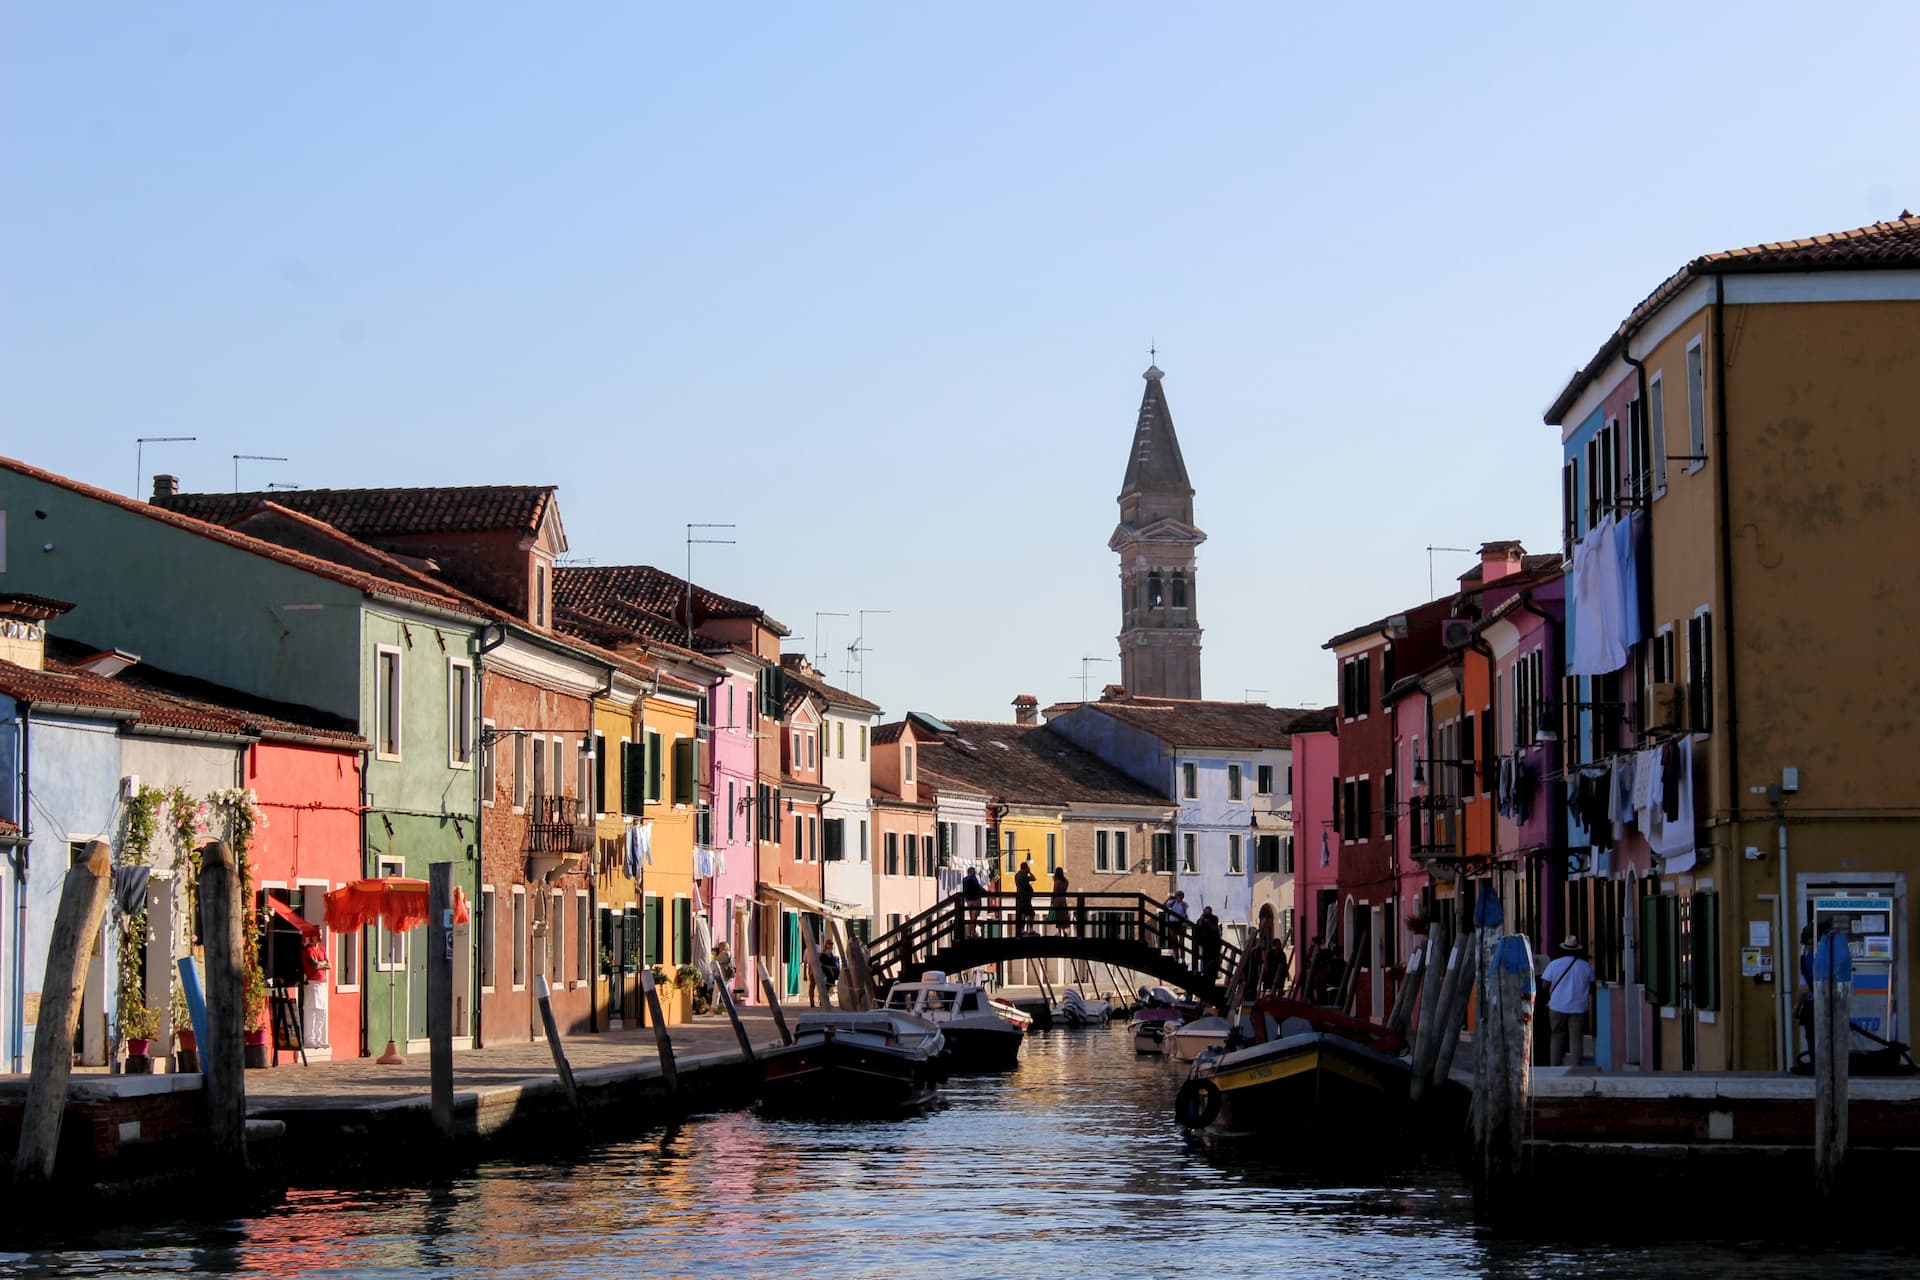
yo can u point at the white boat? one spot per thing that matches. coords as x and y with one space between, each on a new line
1190 1039
983 1034
1151 1025
1075 1010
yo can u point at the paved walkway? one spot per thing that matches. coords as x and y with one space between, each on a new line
363 1082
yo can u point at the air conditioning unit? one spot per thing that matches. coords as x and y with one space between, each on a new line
1456 632
1666 704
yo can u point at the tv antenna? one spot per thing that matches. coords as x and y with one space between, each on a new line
239 458
1430 551
1084 664
819 633
857 651
691 540
140 443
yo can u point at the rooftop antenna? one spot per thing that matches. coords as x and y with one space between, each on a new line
820 635
1430 551
717 542
857 651
1084 662
140 443
239 458
1247 695
282 484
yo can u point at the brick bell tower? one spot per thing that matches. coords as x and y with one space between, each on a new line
1156 540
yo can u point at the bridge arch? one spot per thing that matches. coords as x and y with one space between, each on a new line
1126 930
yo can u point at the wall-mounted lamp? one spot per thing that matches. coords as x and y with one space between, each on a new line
1420 772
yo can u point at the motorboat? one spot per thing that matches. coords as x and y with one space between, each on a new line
1075 1010
1192 1037
877 1062
1158 1012
1288 1065
983 1034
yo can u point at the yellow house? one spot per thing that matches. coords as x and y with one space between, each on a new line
671 719
1031 832
1754 414
618 734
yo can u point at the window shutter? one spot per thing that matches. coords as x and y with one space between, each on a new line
1706 949
654 928
599 773
685 782
1364 818
683 931
654 766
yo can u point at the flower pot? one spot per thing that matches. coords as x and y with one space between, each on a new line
139 1047
189 1043
256 1048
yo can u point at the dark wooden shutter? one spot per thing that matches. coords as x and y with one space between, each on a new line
600 773
685 777
654 929
683 931
655 766
1705 921
1366 809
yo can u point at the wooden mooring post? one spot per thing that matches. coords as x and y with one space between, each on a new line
669 1073
1503 1060
773 1001
76 923
543 994
440 993
724 987
223 1053
1832 1049
1437 1004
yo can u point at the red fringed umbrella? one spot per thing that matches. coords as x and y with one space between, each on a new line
398 902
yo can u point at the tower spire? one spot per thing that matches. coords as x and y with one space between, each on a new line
1156 539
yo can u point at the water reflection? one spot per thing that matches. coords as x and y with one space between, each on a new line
1068 1167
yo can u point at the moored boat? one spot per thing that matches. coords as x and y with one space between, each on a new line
1293 1066
982 1034
1151 1025
1196 1035
1075 1010
854 1063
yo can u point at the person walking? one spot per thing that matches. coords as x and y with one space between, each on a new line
1206 942
1569 982
830 970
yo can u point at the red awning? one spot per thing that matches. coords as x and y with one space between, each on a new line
398 902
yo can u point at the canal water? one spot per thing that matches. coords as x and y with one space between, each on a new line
1070 1166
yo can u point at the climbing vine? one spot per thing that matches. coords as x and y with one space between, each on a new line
242 816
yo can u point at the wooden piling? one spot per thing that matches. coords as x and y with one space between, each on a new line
1403 1000
440 993
821 987
1453 1018
724 987
1437 1018
662 1041
76 923
1832 1049
543 994
772 994
223 1053
1502 1064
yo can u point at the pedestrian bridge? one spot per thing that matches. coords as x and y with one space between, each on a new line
1125 930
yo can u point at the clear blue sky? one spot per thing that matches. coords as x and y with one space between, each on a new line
876 282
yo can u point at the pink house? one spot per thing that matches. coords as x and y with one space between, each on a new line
1316 776
734 885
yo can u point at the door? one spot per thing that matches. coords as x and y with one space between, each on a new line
1869 914
790 949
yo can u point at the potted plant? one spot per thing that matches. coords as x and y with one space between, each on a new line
685 980
186 1056
136 1028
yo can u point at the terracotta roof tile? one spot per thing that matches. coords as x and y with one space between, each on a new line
653 590
19 604
1026 764
812 682
1880 246
8 831
1194 723
360 580
365 513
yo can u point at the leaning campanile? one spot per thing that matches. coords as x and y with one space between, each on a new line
1156 540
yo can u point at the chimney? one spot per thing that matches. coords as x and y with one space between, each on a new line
165 487
1114 693
1026 709
1498 559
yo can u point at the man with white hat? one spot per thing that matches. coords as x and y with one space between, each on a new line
1569 982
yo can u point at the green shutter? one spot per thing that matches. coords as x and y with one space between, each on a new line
685 784
1706 950
600 773
653 929
683 931
654 765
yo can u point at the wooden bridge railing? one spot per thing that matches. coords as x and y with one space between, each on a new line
1126 927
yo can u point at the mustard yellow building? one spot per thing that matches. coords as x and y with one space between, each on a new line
1750 425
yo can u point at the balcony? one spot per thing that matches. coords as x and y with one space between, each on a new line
558 825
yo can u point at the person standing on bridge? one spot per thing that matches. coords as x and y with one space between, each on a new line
1176 908
1058 916
974 891
1023 898
1206 942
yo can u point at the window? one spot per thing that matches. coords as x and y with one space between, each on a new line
633 777
864 854
1179 591
1263 780
703 825
1639 451
459 713
1189 852
489 763
346 963
519 771
1266 855
1120 862
1053 852
892 844
1234 865
540 595
863 742
686 780
913 855
1356 686
539 748
1162 853
1696 406
1233 783
813 760
1657 432
683 931
840 740
583 778
582 939
926 856
600 774
387 694
1286 855
1704 922
655 767
799 837
556 938
1700 672
1389 805
651 943
1100 850
730 719
390 948
483 928
1190 781
1603 472
799 749
1569 507
833 835
519 939
906 758
1154 598
732 807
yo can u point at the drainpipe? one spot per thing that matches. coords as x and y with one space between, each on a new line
492 636
20 856
1724 625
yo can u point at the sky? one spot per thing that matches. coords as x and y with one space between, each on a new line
875 284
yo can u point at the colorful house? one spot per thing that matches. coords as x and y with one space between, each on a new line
1736 442
904 864
846 772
